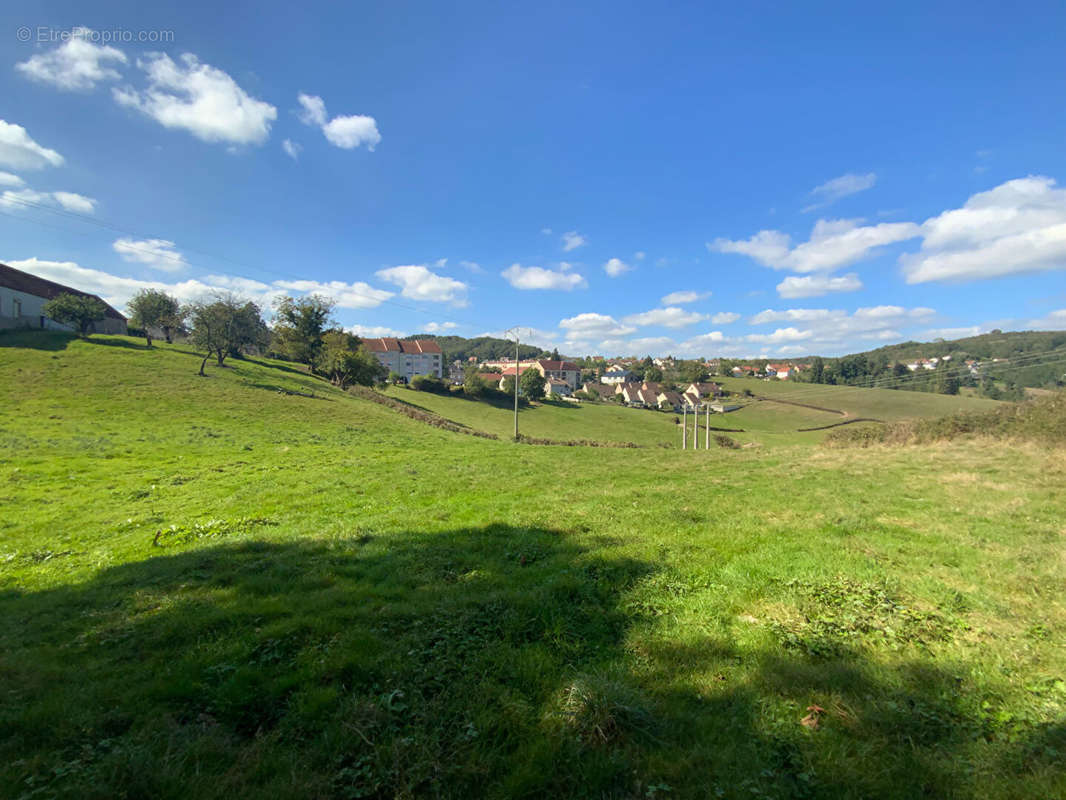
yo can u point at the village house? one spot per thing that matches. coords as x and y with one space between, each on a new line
704 390
22 299
670 400
600 390
566 371
557 387
616 376
630 393
408 357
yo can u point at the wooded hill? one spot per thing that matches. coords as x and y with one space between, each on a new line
484 348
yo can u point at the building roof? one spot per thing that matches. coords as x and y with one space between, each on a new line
670 397
415 346
20 281
559 365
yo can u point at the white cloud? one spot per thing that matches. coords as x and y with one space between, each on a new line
832 244
419 283
118 290
439 327
345 132
540 278
817 285
833 190
156 253
72 201
200 99
838 329
594 326
347 295
615 267
780 335
725 317
952 333
7 179
1054 321
292 149
19 151
651 345
674 298
473 266
375 332
672 317
69 201
573 240
76 65
314 109
1017 227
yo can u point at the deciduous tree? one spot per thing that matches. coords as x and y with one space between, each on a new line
151 308
78 310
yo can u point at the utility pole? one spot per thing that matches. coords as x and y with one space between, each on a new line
707 432
684 427
696 426
514 332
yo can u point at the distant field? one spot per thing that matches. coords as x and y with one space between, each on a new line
886 404
553 420
226 587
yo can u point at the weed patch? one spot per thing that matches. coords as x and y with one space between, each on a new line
212 529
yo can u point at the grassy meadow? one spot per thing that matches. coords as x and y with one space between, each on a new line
256 585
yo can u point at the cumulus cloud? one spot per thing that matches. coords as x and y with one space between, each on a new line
594 326
158 254
540 278
19 151
615 267
200 99
1054 321
117 290
291 148
832 244
836 328
952 333
76 65
676 298
419 283
374 332
725 317
347 295
671 317
573 240
7 179
69 201
817 285
439 327
832 190
1017 227
345 132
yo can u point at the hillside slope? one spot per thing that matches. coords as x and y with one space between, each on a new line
213 589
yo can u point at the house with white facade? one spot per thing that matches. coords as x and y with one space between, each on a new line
22 299
408 357
616 376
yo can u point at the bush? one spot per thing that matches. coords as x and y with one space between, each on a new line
429 383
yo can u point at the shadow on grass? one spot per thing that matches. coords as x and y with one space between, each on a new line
125 343
36 339
490 662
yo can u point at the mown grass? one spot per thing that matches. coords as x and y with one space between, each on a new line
350 603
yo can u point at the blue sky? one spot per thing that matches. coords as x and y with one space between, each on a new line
618 177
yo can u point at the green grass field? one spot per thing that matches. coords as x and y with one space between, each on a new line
212 588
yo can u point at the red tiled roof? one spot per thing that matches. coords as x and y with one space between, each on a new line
20 281
402 345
